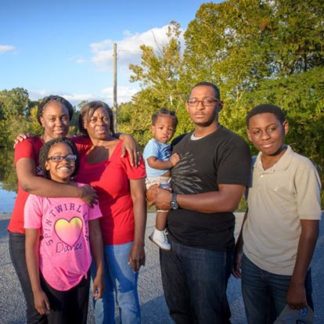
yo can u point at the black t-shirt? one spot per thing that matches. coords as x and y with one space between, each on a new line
219 158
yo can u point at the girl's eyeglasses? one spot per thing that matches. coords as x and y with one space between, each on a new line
60 158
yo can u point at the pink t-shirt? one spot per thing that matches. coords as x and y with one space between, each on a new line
65 256
29 149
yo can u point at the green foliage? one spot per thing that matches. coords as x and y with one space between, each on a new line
14 111
18 114
302 97
7 170
160 75
256 51
13 102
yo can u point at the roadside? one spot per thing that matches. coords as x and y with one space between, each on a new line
154 309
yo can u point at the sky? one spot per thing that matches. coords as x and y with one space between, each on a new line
64 47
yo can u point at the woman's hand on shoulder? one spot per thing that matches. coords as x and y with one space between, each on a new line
89 195
21 137
130 146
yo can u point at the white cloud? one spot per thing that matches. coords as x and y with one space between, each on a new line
128 52
74 98
7 48
81 60
38 94
128 49
124 94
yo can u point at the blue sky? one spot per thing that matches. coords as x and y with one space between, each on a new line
65 46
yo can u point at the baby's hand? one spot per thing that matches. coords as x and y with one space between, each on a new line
174 159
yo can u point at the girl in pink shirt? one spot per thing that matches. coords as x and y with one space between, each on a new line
60 232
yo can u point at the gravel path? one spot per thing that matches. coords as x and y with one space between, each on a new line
153 305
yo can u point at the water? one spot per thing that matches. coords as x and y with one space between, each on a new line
7 199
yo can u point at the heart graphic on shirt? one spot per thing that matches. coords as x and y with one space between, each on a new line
69 231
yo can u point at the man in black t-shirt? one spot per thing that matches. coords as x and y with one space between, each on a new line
207 184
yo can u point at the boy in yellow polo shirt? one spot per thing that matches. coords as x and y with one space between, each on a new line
282 223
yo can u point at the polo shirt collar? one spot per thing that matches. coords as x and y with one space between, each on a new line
282 164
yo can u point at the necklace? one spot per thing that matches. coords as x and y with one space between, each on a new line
193 137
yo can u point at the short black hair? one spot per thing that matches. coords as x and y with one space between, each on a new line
87 111
208 84
43 154
266 108
56 98
165 112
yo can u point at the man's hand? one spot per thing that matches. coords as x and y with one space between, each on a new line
163 199
151 194
237 260
137 257
296 296
89 195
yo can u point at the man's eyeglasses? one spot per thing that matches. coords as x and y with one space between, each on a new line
60 158
208 101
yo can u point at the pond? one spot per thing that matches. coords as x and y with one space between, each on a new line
8 181
7 199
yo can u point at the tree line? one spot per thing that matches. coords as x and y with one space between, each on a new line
256 51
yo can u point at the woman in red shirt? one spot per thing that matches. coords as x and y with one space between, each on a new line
121 192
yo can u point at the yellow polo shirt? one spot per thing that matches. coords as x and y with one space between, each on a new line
279 197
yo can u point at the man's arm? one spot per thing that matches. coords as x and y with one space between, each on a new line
238 250
296 296
31 183
226 199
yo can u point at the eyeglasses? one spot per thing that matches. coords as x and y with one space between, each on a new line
60 158
208 101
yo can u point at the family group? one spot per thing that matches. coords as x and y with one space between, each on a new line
79 219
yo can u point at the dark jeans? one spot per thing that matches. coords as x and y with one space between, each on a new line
68 307
17 254
194 282
265 293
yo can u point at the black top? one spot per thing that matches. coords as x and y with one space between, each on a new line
219 158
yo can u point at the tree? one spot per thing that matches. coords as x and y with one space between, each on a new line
14 110
160 76
301 95
256 51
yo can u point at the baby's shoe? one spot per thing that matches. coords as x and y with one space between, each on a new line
160 239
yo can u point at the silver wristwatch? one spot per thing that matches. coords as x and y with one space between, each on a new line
173 204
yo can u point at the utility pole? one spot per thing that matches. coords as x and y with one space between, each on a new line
114 109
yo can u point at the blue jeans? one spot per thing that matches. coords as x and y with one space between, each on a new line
265 293
17 255
120 280
195 282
